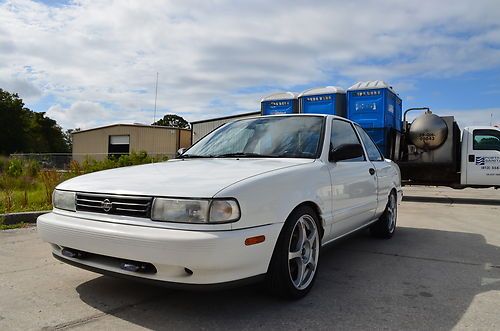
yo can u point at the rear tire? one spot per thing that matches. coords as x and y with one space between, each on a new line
295 260
385 226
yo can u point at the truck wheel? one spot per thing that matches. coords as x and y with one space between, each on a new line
385 226
294 264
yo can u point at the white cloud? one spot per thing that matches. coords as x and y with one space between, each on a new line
81 114
469 117
108 52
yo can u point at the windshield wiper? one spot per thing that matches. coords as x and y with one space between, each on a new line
194 156
241 154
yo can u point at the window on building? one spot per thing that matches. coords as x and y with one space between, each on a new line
118 145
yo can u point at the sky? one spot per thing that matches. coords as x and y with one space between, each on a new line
90 63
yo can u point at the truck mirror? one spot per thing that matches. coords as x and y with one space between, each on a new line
345 152
181 151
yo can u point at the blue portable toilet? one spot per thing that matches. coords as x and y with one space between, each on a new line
279 103
323 100
374 104
377 108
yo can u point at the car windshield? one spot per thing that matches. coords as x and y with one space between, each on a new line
280 136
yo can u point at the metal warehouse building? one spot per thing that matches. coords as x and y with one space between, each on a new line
201 128
117 139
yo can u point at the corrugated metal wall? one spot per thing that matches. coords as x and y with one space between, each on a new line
185 139
153 140
200 129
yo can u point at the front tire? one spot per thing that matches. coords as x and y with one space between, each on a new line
295 260
385 226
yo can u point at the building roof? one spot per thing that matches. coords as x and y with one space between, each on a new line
322 90
226 117
133 125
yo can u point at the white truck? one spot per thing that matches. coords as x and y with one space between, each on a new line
434 152
254 199
480 157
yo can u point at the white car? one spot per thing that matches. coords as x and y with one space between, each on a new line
253 200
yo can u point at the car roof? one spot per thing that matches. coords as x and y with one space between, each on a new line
306 115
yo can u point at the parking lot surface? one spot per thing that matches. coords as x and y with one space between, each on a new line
440 271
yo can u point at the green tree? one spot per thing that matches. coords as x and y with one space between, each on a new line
12 120
23 130
68 137
173 121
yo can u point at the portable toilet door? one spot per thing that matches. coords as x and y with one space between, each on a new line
374 104
329 100
279 103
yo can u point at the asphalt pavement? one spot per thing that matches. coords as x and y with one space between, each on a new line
441 271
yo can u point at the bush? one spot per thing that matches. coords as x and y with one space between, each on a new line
15 168
91 165
25 186
32 168
4 161
135 158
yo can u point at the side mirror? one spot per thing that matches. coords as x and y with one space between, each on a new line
181 151
346 152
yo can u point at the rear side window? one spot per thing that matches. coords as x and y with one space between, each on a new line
486 140
343 133
371 149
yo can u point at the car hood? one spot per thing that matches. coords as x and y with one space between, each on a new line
201 178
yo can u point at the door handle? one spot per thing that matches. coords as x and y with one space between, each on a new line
371 171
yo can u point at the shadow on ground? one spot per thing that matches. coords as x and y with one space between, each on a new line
452 200
421 279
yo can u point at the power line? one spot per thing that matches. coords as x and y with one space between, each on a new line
156 97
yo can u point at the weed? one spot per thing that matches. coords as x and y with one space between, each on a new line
7 187
50 179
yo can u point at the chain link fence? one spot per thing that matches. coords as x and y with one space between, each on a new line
62 161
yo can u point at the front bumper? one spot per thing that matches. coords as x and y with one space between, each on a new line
213 257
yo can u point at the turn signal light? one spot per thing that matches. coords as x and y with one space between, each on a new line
255 240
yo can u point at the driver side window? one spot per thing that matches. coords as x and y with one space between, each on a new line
343 134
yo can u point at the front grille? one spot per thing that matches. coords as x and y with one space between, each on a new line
114 204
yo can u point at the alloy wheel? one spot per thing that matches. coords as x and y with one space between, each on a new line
303 252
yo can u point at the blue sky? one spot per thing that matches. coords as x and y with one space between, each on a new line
89 63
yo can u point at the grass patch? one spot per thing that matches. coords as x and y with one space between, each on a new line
27 186
36 200
15 226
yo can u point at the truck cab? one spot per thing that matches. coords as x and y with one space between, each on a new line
480 157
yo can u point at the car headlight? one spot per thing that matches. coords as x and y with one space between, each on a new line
195 211
64 200
224 211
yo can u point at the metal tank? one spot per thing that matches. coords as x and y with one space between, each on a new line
428 131
431 151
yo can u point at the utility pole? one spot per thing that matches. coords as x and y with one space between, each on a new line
156 97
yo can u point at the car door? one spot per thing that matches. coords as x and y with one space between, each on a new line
483 166
354 185
383 169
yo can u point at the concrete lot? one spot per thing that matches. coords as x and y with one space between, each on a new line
441 271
